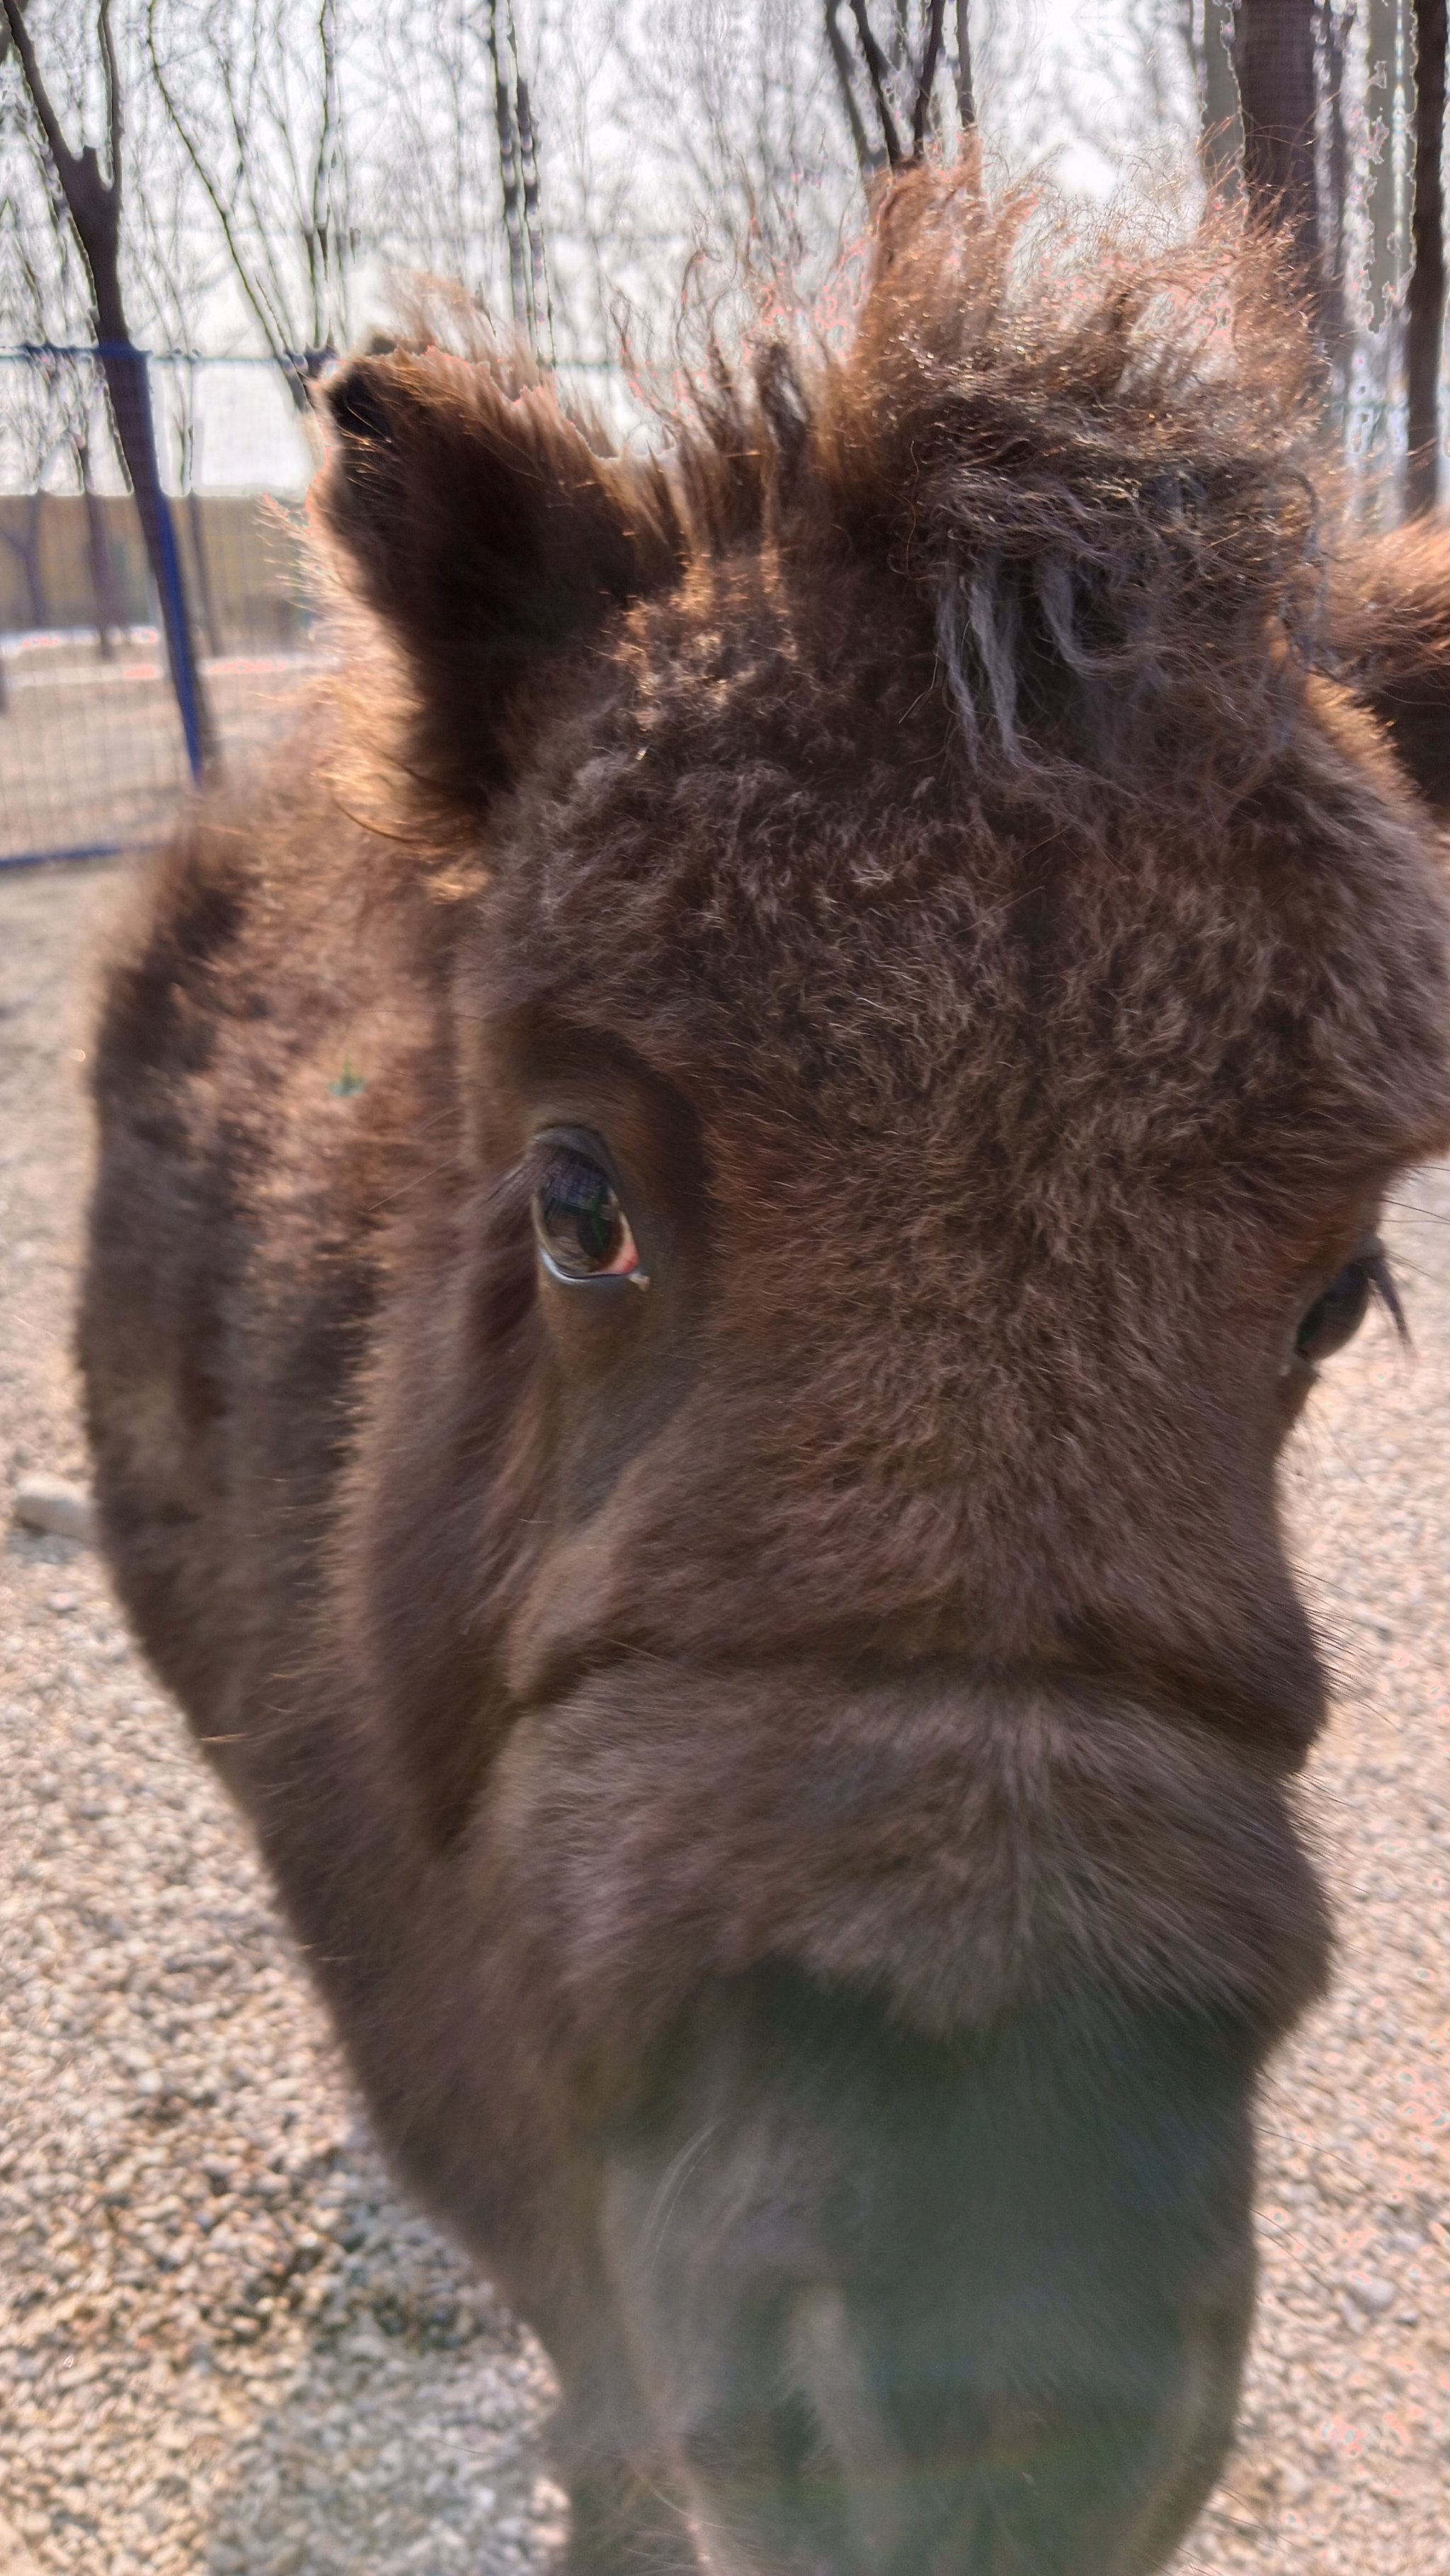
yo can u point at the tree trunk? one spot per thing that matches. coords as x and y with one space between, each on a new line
966 86
1274 60
1425 311
1339 334
1223 124
540 298
102 569
508 174
1386 242
869 161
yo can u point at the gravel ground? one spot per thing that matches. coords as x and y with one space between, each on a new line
226 2345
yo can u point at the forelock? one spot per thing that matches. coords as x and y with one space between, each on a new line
1089 452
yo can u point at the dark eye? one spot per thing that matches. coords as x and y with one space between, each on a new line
1335 1318
582 1231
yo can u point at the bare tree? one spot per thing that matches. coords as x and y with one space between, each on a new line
966 86
1333 32
254 93
1207 30
430 193
1425 309
90 182
1385 70
870 154
716 149
518 170
888 83
1274 60
49 432
510 183
541 306
180 270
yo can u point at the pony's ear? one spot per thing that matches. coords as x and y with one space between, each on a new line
1394 637
490 538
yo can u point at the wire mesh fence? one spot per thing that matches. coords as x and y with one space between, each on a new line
93 748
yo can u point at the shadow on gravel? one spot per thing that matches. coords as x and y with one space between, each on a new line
414 2449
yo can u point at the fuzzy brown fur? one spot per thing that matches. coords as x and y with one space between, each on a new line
933 825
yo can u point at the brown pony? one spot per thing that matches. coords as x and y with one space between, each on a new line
715 1204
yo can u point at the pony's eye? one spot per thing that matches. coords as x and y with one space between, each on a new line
1336 1316
582 1231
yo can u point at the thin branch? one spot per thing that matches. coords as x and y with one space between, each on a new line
878 71
112 78
245 117
273 332
921 113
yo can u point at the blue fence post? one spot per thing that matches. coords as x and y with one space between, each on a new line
177 618
183 677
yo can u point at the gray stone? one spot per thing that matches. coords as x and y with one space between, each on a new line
1371 2294
50 1504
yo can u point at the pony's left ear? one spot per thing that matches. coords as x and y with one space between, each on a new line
488 536
1394 642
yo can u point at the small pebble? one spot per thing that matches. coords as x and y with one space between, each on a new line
1371 2294
50 1504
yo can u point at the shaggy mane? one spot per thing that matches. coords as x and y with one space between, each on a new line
1090 453
1096 455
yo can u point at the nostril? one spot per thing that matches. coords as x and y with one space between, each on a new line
771 2447
770 2490
1068 2493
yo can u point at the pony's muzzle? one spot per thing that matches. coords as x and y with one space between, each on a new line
902 2309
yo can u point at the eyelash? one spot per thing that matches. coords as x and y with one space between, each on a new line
1383 1286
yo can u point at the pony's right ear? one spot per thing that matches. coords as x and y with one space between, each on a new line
1393 640
488 536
